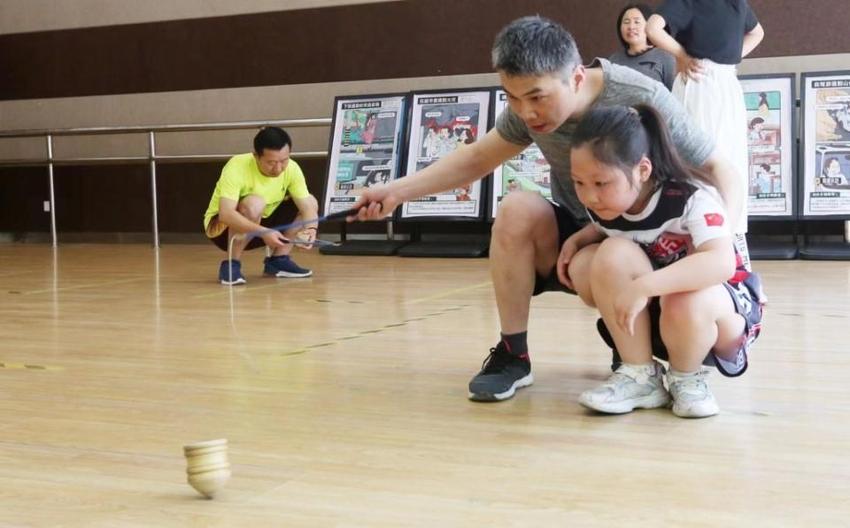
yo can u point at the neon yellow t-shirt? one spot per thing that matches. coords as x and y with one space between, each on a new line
241 177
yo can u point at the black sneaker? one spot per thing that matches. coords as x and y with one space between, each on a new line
502 373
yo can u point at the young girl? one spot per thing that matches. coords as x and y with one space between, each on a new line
659 262
711 38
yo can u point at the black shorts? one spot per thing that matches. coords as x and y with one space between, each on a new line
567 225
748 298
284 214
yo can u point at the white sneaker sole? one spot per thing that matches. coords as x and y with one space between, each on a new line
237 282
288 275
518 384
697 411
651 401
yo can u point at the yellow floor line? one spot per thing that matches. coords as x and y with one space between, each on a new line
367 333
449 293
84 286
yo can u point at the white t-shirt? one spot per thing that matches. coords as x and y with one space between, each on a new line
679 218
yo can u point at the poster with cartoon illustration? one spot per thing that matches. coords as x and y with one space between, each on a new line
365 147
769 101
441 123
529 171
826 144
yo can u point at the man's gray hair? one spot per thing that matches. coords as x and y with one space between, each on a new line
535 46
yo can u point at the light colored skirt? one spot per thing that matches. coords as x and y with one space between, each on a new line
716 103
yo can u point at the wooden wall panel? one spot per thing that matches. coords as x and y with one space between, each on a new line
354 42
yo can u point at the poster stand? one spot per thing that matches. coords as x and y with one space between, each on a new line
365 148
441 122
825 153
772 143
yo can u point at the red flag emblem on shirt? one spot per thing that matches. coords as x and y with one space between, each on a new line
713 219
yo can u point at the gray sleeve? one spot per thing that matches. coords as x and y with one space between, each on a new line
512 128
669 66
694 145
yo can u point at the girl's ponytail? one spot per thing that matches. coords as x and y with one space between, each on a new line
620 136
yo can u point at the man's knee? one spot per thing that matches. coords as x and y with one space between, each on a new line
520 213
251 207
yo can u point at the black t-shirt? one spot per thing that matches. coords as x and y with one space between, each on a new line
709 29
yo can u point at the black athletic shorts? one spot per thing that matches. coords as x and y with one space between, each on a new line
567 225
284 214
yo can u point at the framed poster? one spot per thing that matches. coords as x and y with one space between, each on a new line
529 171
771 140
365 146
440 123
825 178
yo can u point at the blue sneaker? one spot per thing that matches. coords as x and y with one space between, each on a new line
230 273
283 266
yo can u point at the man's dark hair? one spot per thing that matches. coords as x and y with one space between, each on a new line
271 138
535 46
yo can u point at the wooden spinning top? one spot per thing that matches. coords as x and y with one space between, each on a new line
207 467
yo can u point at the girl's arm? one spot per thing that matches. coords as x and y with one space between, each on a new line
752 39
712 263
686 64
583 237
656 34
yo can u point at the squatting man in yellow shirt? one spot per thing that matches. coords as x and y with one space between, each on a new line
250 189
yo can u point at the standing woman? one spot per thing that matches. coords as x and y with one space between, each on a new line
711 38
638 54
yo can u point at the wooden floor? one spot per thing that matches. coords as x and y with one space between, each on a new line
343 397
